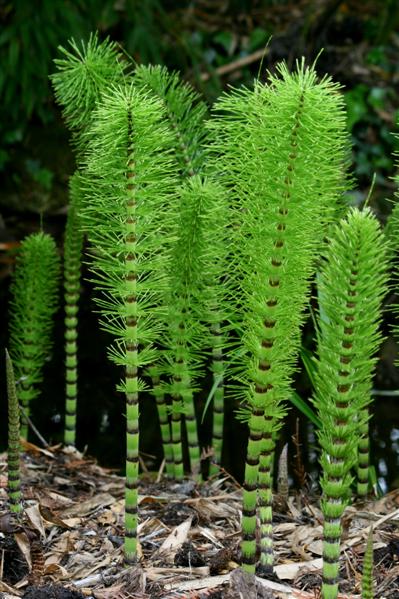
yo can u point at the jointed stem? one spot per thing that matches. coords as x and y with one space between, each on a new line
265 479
166 435
131 372
218 398
72 264
13 456
363 455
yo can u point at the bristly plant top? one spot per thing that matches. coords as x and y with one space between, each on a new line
129 214
351 286
34 291
186 113
83 74
283 152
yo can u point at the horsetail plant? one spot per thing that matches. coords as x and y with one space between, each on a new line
367 577
73 243
13 454
34 300
185 114
283 153
195 288
185 111
84 72
130 186
351 286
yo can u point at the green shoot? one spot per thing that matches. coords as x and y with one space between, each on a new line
367 577
72 265
129 214
283 152
34 300
13 456
351 287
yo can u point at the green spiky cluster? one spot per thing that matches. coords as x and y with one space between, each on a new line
130 183
351 286
73 243
195 293
13 454
283 153
83 74
185 112
34 300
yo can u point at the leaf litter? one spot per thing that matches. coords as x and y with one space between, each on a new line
69 542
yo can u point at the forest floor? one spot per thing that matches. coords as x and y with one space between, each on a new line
69 542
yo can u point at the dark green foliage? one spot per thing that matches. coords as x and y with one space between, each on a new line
13 454
351 287
34 300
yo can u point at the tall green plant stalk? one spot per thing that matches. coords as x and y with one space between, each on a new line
13 455
198 264
351 287
34 299
185 113
129 216
283 154
367 576
73 243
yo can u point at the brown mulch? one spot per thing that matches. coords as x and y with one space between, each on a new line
69 543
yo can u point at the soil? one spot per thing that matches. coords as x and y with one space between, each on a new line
69 541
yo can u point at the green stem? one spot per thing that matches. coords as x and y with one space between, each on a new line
256 427
265 501
191 426
72 267
363 455
131 371
13 456
218 398
176 435
163 416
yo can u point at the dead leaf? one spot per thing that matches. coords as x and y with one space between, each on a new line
90 505
24 546
290 571
175 539
33 514
27 446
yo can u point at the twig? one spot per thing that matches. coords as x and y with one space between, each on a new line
33 427
236 64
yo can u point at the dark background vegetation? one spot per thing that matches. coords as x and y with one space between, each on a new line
214 43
